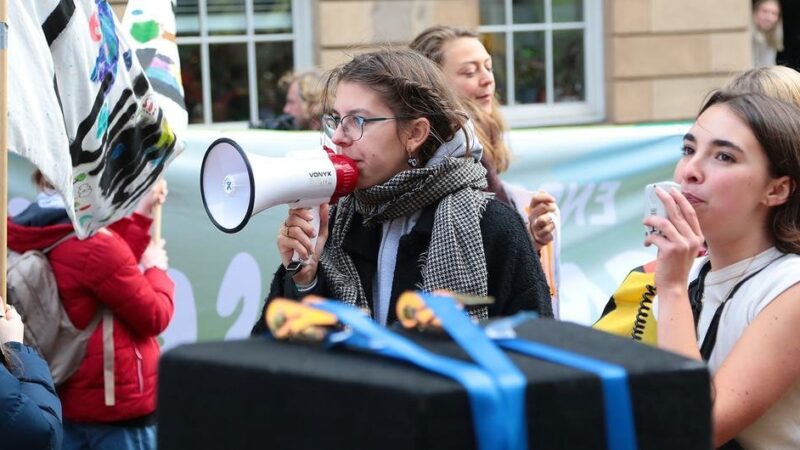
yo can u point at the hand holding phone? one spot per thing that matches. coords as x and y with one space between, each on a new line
653 205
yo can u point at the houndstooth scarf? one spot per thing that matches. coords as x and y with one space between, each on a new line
455 257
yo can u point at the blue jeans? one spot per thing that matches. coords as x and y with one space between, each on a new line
79 436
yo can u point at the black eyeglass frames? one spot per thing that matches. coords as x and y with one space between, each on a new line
352 125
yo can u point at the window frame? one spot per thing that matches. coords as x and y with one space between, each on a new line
592 109
302 38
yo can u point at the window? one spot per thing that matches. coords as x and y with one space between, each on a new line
234 52
547 58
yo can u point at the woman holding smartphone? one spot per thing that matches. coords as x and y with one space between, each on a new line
739 173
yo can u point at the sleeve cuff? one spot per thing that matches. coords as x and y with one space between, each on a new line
303 288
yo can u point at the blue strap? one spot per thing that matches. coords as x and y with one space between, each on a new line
486 402
509 379
620 429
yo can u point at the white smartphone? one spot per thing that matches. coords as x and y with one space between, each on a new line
653 205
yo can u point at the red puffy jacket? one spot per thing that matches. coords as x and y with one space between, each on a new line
103 270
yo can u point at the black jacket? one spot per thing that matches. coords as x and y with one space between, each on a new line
516 280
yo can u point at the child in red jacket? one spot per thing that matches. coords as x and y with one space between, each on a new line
102 275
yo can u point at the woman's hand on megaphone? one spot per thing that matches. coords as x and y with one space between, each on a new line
295 235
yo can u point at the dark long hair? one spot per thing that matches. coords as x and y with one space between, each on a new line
776 126
410 85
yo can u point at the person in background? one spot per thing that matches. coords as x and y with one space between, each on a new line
101 275
304 100
767 32
303 106
468 67
419 217
30 412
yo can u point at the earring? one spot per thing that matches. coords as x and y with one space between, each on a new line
412 160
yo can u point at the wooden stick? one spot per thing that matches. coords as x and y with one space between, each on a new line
156 229
3 151
155 212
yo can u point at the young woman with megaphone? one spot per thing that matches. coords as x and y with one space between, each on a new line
419 217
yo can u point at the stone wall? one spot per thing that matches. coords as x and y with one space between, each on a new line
663 56
347 27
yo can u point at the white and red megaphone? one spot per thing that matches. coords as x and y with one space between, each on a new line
235 184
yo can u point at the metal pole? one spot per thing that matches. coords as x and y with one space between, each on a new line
3 149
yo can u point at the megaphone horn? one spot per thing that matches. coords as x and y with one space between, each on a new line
236 185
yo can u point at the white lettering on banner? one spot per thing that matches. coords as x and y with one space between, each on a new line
241 284
576 201
606 192
182 328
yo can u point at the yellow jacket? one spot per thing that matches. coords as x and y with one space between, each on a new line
629 311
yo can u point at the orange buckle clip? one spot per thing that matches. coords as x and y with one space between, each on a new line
414 313
289 319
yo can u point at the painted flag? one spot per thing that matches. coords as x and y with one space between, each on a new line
150 24
82 110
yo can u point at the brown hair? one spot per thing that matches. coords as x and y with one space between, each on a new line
10 360
41 183
489 128
410 85
776 126
778 82
4 356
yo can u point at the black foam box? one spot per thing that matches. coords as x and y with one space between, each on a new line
263 394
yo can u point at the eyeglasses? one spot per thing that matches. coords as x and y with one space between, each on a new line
352 126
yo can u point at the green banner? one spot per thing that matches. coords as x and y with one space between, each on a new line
597 174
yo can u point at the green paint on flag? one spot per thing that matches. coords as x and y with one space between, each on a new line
145 31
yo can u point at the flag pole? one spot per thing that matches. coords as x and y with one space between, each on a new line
3 149
157 222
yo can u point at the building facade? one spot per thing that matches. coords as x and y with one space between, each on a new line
664 56
555 61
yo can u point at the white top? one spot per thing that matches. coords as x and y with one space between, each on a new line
779 427
387 263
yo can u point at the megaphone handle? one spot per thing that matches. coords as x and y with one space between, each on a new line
297 262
